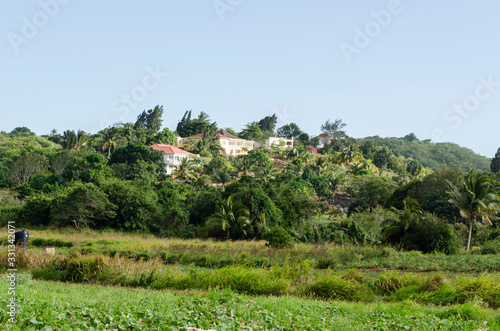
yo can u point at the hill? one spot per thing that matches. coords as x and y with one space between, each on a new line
433 156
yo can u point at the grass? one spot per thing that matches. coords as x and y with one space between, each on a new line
216 254
287 278
54 306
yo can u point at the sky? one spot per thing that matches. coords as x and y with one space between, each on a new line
386 68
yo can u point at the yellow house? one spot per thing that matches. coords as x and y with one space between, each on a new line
232 145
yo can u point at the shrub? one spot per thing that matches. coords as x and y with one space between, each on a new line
331 287
278 238
491 247
39 242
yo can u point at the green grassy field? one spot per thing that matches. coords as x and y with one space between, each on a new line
165 284
54 306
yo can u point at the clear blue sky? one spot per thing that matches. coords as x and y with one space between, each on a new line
248 59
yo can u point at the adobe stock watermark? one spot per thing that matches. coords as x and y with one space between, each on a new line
372 29
32 26
284 116
222 7
128 101
461 111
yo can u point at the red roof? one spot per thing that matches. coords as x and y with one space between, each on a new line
324 135
169 149
222 134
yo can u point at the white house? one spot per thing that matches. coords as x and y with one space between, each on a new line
324 139
277 142
173 156
232 145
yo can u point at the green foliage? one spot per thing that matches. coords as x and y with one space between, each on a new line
26 167
433 156
289 131
40 242
188 127
233 218
85 206
495 162
332 287
87 168
268 124
137 152
150 120
417 230
374 190
477 199
278 238
136 205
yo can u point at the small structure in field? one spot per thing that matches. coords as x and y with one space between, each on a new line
49 249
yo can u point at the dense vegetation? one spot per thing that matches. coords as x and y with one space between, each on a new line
434 156
113 179
368 220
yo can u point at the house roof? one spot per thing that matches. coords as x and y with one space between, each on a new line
222 134
324 135
169 149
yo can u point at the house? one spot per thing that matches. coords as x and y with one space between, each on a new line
277 142
231 144
324 139
173 156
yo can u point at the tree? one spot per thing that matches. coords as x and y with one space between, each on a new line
339 138
268 124
290 131
188 127
210 143
22 130
186 170
252 131
142 120
477 199
410 137
495 162
72 140
222 177
350 154
26 167
151 120
131 153
154 118
393 230
415 168
233 218
85 206
110 141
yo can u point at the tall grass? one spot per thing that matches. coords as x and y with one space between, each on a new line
288 278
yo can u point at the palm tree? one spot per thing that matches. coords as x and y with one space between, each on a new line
395 229
365 165
350 154
186 170
232 217
81 139
222 177
246 164
109 141
477 199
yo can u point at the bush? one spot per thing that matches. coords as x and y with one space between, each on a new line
491 247
331 287
278 238
40 242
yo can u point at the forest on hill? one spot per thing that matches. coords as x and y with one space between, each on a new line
434 156
329 188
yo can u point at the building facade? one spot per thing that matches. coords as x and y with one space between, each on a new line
173 156
232 145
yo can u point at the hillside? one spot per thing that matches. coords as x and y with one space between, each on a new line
433 156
